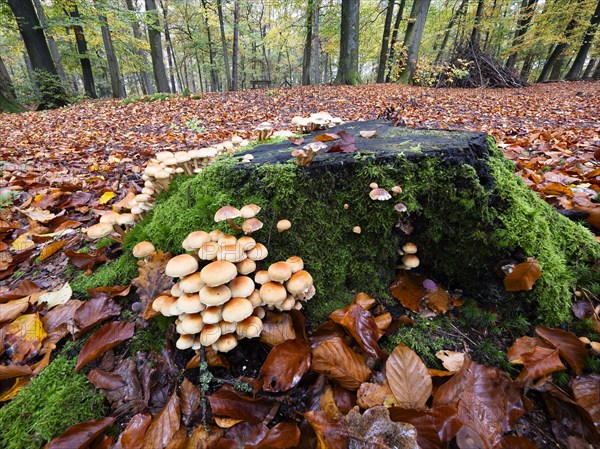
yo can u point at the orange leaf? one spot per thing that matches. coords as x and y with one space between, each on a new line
50 249
523 276
408 289
569 346
326 137
408 378
164 425
337 361
105 338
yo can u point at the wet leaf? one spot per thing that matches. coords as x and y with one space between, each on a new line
409 290
11 392
58 297
360 324
91 313
105 338
281 436
81 435
336 360
326 137
523 276
86 261
12 371
371 395
540 362
438 299
571 349
228 402
190 399
12 309
24 336
586 390
152 280
22 243
285 365
435 426
51 249
24 288
408 378
164 425
277 328
451 360
106 197
331 434
105 380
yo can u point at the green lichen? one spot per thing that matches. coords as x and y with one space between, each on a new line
54 400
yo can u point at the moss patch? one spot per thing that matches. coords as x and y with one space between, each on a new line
53 401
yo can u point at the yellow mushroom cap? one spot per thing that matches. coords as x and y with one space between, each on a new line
181 265
283 225
231 253
210 334
246 266
143 249
410 261
227 213
109 217
208 251
272 293
195 240
241 286
190 304
191 283
176 290
227 239
246 242
249 210
99 230
251 327
218 273
167 304
184 342
409 248
215 296
296 263
259 252
280 271
158 302
237 309
225 343
216 235
212 315
227 327
261 277
192 323
251 225
299 282
255 299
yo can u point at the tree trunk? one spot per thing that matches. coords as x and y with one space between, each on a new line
475 33
459 12
589 69
392 56
389 15
316 52
214 76
116 83
556 54
172 60
348 61
6 86
306 59
525 17
51 42
235 51
527 65
596 74
412 38
147 86
557 68
577 66
52 92
86 64
156 51
224 43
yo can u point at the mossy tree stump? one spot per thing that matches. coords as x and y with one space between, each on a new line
467 210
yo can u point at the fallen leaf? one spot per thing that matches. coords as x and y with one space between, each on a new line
371 395
9 394
229 403
24 336
331 434
326 137
435 426
523 276
105 338
25 288
12 309
281 436
540 362
569 346
58 297
91 313
51 249
367 134
586 390
22 243
336 360
408 378
133 435
408 289
277 328
12 371
359 323
451 360
190 399
104 380
164 425
81 435
39 215
285 365
437 299
86 261
152 280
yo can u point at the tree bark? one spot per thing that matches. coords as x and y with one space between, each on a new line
589 69
392 56
224 43
171 58
156 51
459 12
235 51
146 82
6 85
214 76
316 52
306 59
52 92
596 74
86 64
383 54
525 16
348 61
577 66
116 83
475 33
51 42
412 38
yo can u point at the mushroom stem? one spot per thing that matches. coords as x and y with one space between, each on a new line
119 229
233 224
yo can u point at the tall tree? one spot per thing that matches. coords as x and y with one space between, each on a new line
214 76
224 43
392 56
145 81
476 31
84 59
6 86
412 37
588 37
52 92
460 11
51 42
316 53
308 43
589 69
116 83
156 50
236 45
348 61
525 17
383 53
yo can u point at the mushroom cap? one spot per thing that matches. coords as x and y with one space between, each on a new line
380 194
272 293
280 271
208 251
410 261
227 213
192 323
162 174
148 191
99 230
296 263
307 294
216 234
241 286
182 156
400 207
259 312
182 265
190 304
249 210
158 302
212 315
191 283
210 334
236 140
206 152
167 305
218 273
231 253
215 296
299 282
251 327
255 299
126 219
142 198
261 277
185 341
226 343
251 225
283 225
227 327
246 242
409 248
259 252
109 217
237 309
356 229
143 249
397 189
374 185
195 240
227 239
246 266
288 304
176 290
163 155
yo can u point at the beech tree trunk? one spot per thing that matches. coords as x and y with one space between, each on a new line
348 61
589 69
459 12
146 82
383 53
52 92
475 33
525 16
86 64
392 56
156 50
224 43
6 86
51 42
214 76
412 38
116 83
308 43
577 66
235 52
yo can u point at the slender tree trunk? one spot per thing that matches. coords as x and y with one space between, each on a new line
6 85
412 38
527 65
589 69
214 77
392 56
306 59
51 42
475 33
171 58
316 52
577 66
348 60
525 16
53 93
116 83
459 12
146 81
224 43
156 51
235 51
86 64
596 74
389 15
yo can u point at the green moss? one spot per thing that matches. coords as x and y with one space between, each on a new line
54 400
150 338
119 272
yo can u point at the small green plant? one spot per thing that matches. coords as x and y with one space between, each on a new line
7 198
195 125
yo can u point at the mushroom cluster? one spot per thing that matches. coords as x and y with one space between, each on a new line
264 131
222 293
409 258
308 152
317 121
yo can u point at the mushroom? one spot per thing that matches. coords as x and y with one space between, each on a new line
380 194
158 302
246 266
227 239
190 303
218 273
251 327
192 323
247 243
212 315
225 343
374 185
409 248
249 210
396 190
400 208
241 286
280 272
237 309
182 265
261 277
231 253
143 249
185 341
99 230
214 296
356 229
264 131
191 283
195 240
228 213
210 334
208 251
283 225
259 252
299 282
272 293
227 327
296 263
409 261
251 225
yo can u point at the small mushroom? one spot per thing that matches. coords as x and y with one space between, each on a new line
228 213
409 261
225 343
251 327
251 225
180 266
143 249
218 273
356 229
396 190
380 194
409 248
283 225
99 230
249 210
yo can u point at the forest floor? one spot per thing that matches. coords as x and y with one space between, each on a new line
60 168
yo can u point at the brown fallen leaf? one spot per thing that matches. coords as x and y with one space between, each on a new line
586 390
12 371
359 323
336 360
12 391
86 261
24 337
326 137
11 310
81 435
435 426
227 402
408 378
281 436
24 288
570 348
371 395
523 276
451 360
540 362
277 328
409 290
51 249
285 365
104 380
164 425
91 313
152 280
331 434
105 338
190 399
